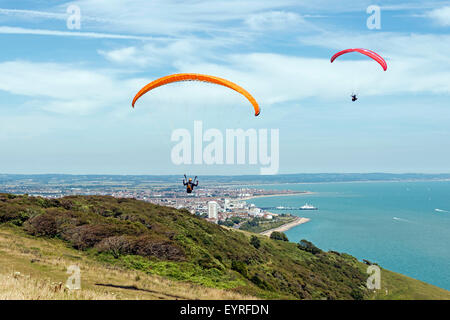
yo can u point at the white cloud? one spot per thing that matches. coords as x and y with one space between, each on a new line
274 20
35 14
96 35
440 16
126 56
65 89
273 79
433 47
169 53
154 55
173 17
395 5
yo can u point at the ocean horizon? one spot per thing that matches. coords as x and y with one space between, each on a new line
403 226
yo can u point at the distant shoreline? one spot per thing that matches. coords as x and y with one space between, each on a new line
285 227
278 195
331 182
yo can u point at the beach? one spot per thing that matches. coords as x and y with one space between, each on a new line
287 226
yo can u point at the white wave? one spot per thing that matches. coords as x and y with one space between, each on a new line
400 219
440 210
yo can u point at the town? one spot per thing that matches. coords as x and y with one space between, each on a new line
227 205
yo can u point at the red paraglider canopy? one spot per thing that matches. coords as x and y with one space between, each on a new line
375 56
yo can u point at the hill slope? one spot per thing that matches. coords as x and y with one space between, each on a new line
36 268
152 241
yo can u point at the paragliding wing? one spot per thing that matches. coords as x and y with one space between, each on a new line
196 77
375 56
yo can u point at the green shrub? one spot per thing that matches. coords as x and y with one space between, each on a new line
278 236
240 267
357 294
308 247
260 282
254 241
227 223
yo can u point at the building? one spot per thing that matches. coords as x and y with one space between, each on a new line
226 205
213 210
256 212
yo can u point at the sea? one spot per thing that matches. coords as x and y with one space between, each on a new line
402 226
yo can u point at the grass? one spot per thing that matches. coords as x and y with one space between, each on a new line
16 286
35 268
395 286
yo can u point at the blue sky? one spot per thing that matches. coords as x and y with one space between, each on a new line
65 95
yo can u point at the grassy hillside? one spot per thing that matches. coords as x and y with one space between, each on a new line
132 249
36 268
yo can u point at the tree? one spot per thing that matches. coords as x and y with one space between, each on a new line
278 236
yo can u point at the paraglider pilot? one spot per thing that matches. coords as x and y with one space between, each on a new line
354 98
190 184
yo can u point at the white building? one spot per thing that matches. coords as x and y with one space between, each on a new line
226 205
239 204
212 210
257 212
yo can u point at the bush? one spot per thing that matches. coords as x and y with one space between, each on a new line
15 213
308 247
254 241
227 223
42 225
260 283
207 262
240 267
87 236
278 236
357 294
115 246
146 246
51 223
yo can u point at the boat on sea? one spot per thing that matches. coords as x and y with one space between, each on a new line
308 207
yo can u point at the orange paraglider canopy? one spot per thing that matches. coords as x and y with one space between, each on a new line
196 77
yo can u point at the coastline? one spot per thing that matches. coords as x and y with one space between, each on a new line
285 227
349 181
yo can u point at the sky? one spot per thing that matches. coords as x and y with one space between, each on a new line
66 89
